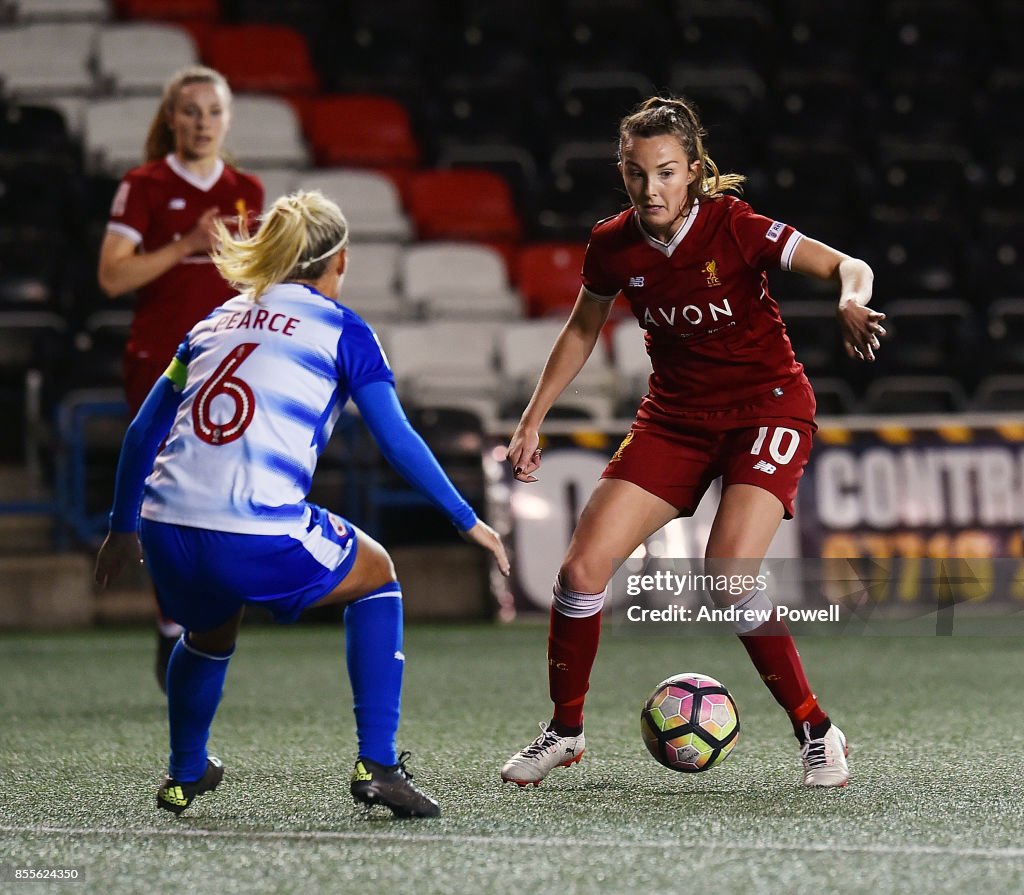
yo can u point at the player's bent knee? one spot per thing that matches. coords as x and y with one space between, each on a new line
580 575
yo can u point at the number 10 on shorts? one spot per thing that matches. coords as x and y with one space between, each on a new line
782 446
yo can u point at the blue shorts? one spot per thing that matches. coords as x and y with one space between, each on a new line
203 577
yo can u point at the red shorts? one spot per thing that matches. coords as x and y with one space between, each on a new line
766 443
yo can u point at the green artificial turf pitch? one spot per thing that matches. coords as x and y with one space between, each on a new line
935 804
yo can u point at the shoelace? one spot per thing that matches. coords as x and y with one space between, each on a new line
547 739
403 757
813 752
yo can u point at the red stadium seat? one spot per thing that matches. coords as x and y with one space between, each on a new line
548 276
170 10
262 58
360 131
466 204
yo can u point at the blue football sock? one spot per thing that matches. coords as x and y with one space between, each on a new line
195 682
373 651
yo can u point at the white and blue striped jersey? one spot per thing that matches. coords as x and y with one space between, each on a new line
264 385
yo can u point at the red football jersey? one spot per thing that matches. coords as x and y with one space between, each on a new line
160 202
714 335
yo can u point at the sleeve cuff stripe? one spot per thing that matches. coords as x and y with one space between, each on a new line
789 248
126 231
596 297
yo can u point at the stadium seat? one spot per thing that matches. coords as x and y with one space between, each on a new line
488 108
267 58
513 163
465 204
276 182
815 106
1004 352
834 397
914 256
523 349
822 35
998 250
31 346
138 57
809 180
38 134
360 132
99 347
934 107
929 334
48 59
458 280
814 334
62 10
585 187
265 130
740 86
915 394
928 178
445 363
369 200
610 33
631 365
114 133
549 276
931 35
371 283
170 10
999 393
702 23
591 103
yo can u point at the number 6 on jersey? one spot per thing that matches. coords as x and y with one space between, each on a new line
222 382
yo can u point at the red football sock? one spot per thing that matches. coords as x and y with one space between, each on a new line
773 652
572 648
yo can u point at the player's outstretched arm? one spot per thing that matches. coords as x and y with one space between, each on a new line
570 352
406 451
861 327
138 452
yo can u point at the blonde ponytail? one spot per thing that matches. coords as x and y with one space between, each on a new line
295 241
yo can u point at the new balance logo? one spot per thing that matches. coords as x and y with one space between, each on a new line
636 281
765 467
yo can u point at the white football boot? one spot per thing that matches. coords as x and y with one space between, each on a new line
544 754
825 758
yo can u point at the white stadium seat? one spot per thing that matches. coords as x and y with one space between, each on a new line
458 280
276 182
114 132
370 201
371 282
62 10
47 59
139 57
265 130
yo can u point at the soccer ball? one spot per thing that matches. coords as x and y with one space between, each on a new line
690 723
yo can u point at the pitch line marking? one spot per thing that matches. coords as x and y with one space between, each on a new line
1008 852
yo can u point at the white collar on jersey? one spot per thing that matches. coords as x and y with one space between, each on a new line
667 248
200 183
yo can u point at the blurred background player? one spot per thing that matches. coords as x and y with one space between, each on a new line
160 234
243 412
727 398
